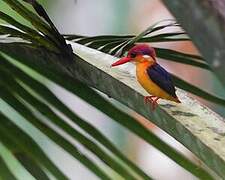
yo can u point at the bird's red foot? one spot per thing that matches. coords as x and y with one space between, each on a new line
153 100
148 99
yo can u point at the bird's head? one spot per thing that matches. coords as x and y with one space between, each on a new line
138 54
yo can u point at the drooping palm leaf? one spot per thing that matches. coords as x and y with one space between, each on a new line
171 55
57 138
8 151
31 166
5 172
24 144
56 120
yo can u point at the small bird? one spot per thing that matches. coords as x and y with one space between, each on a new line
153 77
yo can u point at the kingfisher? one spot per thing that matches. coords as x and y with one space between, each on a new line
152 77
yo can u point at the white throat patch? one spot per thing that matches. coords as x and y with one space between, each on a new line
146 56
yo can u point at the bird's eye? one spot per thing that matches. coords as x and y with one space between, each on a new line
132 55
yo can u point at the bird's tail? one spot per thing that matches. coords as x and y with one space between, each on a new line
177 100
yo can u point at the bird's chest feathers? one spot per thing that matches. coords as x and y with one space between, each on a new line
142 76
144 80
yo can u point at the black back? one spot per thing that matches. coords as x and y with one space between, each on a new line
162 78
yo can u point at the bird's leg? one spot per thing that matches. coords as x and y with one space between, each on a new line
154 103
153 100
148 99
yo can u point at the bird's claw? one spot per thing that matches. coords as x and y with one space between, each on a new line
152 100
148 99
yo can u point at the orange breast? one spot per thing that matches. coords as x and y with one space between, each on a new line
148 84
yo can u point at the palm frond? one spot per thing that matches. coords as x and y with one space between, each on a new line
23 143
31 166
56 120
5 172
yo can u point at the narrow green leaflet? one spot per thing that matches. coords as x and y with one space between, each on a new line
7 150
58 139
197 91
31 33
36 41
153 28
5 173
56 120
128 40
17 141
105 39
48 30
66 49
171 55
20 26
16 33
166 37
37 22
31 166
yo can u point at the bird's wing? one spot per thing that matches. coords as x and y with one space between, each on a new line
162 78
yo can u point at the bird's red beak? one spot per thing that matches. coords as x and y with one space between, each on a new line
121 61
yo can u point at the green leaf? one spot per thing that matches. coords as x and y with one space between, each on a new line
15 33
36 41
153 28
32 34
85 40
50 32
61 141
197 91
17 140
123 43
166 37
171 55
37 22
5 172
65 49
56 120
31 166
15 23
104 38
7 150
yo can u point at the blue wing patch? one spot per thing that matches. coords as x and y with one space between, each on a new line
162 78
